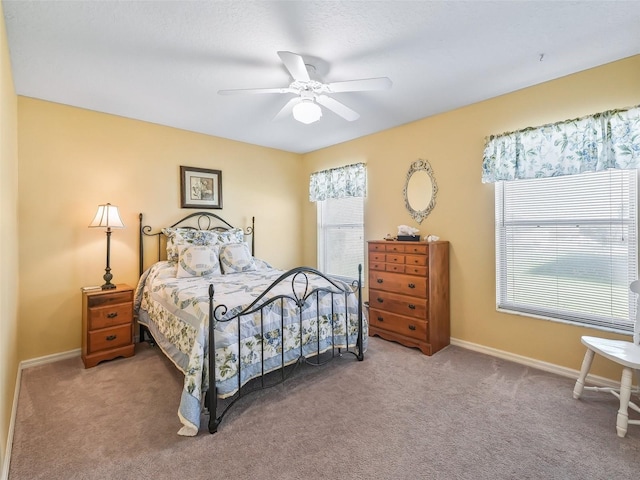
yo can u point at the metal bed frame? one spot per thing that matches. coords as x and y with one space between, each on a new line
300 293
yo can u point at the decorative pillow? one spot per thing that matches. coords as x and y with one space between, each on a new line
187 236
233 235
198 260
236 257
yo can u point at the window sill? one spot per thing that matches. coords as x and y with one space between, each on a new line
567 322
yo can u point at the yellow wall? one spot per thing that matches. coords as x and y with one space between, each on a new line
464 214
72 160
8 240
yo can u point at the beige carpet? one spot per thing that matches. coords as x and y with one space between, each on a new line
397 415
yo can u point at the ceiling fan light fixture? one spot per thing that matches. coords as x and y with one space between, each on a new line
307 111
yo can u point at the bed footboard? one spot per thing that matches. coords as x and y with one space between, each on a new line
318 334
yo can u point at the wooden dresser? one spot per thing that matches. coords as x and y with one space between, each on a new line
107 324
409 293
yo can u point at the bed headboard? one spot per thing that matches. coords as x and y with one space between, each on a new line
195 221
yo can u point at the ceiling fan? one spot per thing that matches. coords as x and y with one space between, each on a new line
310 94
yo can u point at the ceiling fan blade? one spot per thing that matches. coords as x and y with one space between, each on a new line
295 65
287 110
365 84
337 108
254 90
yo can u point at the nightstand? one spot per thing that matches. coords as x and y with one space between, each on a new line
107 324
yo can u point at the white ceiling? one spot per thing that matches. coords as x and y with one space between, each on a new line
164 61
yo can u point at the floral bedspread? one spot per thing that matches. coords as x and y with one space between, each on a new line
176 311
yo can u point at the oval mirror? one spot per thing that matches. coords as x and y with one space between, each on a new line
420 190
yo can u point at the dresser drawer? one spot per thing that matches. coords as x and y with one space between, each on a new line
394 267
395 247
417 260
377 257
411 270
407 326
394 258
376 265
398 283
110 316
377 247
109 338
401 304
416 248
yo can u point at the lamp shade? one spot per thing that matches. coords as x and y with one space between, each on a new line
307 111
107 216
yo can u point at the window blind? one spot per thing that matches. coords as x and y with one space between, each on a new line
567 248
341 236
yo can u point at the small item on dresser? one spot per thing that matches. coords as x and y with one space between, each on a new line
408 234
389 237
432 238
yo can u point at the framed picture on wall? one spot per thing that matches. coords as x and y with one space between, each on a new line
200 188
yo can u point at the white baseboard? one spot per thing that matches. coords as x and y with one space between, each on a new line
56 357
4 474
532 362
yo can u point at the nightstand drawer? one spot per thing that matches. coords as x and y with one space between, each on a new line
110 316
110 298
409 327
109 338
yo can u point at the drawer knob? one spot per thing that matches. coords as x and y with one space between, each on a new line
380 319
111 337
380 280
412 327
112 315
380 300
412 306
412 285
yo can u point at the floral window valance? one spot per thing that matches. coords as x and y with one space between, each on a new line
347 181
598 142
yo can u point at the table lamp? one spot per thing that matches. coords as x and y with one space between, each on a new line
107 217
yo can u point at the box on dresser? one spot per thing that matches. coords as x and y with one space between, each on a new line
409 293
107 324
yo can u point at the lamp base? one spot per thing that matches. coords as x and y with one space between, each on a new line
107 279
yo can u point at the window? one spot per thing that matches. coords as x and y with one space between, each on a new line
566 248
341 236
339 193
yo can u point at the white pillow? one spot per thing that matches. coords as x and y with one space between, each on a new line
198 260
236 257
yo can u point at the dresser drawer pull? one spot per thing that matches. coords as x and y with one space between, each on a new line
112 315
412 327
412 306
380 300
380 319
111 337
412 285
380 280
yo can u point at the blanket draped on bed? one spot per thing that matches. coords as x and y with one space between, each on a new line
176 312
